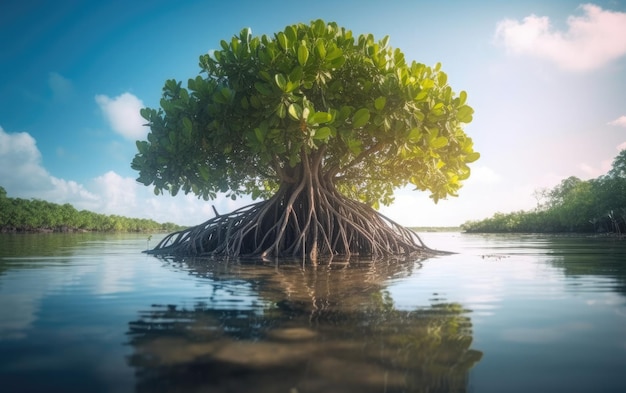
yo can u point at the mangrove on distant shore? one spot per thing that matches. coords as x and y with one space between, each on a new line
580 206
35 215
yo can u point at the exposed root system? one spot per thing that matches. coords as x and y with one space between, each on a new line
305 219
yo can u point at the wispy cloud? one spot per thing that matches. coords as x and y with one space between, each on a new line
620 122
122 113
61 86
590 171
590 42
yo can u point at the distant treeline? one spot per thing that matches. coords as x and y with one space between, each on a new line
596 205
34 215
435 229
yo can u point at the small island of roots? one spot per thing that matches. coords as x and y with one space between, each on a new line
287 226
322 126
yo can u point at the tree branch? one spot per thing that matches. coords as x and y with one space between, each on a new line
364 154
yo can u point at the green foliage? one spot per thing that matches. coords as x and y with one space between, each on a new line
265 103
17 214
619 166
575 205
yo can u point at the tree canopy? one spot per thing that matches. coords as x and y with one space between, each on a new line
262 103
310 119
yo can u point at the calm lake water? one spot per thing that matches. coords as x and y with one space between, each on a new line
90 312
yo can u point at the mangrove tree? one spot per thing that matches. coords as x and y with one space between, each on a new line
319 125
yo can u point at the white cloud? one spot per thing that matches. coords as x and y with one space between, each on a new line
122 113
484 175
124 196
591 41
620 122
20 162
621 146
119 194
23 175
69 191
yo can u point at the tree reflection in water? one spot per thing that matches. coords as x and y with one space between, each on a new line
590 256
312 329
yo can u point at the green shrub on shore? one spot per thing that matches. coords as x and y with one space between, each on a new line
575 205
35 215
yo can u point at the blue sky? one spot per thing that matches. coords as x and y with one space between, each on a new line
547 81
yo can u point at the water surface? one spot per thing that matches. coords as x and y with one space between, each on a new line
90 312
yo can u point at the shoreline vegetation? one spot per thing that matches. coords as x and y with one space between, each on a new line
595 206
436 229
19 215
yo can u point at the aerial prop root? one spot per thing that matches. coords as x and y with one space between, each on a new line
299 221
